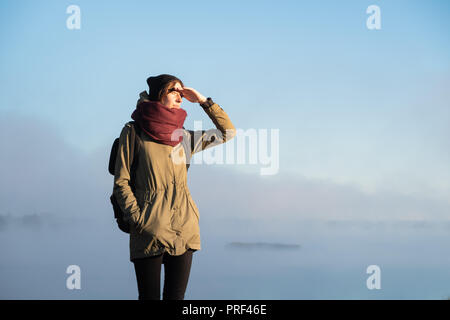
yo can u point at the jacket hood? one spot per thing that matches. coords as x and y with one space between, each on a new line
143 97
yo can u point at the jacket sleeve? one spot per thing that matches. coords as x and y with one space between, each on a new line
204 139
122 189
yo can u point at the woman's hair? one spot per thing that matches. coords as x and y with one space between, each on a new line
159 86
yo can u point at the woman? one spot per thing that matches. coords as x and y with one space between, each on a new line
163 218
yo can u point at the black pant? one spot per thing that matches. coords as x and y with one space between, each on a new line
176 276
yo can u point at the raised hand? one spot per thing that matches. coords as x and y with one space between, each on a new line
192 95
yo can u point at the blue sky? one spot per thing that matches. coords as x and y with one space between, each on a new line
353 105
363 118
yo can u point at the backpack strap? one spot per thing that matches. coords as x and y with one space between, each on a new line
136 137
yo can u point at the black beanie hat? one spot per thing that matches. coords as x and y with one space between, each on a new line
157 85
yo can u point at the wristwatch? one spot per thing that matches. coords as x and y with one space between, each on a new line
207 104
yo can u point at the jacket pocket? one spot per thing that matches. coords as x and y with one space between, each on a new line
147 211
194 207
139 219
192 203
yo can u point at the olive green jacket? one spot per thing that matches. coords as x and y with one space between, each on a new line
161 212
